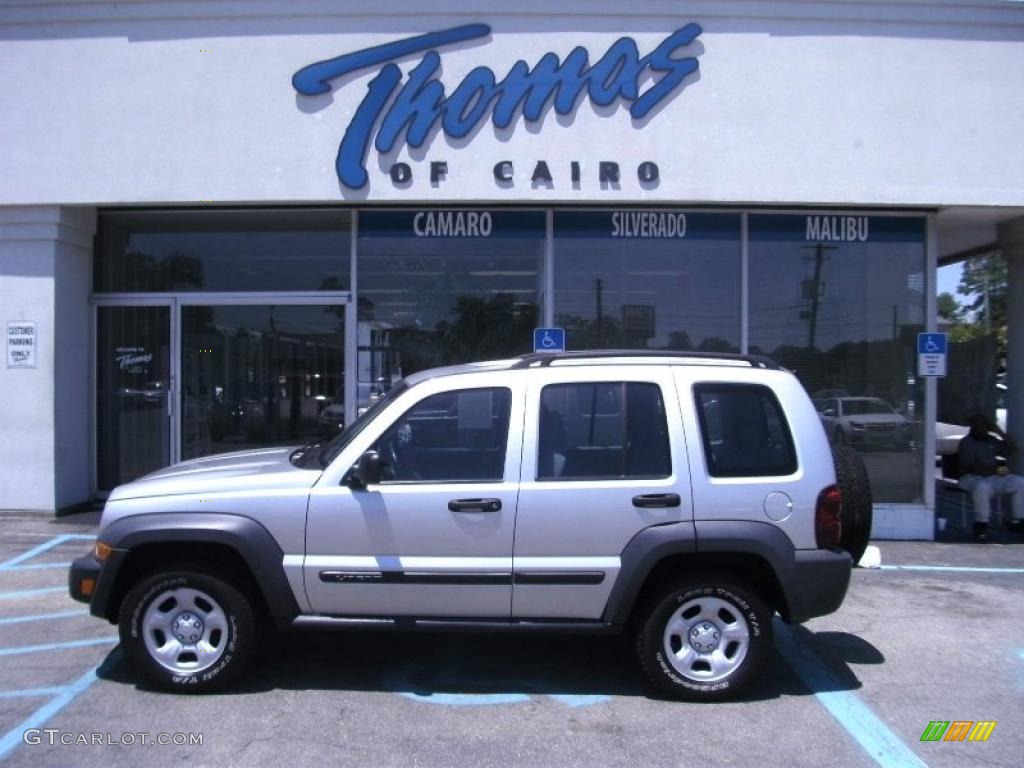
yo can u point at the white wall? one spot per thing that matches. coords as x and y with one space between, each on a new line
909 103
44 411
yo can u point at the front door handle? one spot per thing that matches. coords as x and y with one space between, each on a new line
652 500
474 505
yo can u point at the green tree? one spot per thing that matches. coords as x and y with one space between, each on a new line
950 310
983 281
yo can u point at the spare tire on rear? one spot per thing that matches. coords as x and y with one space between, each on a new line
852 479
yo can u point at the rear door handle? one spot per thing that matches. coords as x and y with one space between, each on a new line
650 500
474 505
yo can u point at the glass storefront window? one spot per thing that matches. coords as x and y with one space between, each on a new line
440 287
184 251
260 375
133 380
635 279
839 300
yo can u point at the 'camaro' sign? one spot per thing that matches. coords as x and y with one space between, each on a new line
413 107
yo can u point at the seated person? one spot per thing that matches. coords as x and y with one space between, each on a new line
980 472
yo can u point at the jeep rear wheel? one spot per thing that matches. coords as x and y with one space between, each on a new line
705 639
187 630
852 479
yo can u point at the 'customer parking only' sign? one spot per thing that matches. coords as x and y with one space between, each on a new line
931 354
21 345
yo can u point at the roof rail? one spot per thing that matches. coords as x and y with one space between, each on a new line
544 359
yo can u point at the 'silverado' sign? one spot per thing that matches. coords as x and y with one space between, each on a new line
421 102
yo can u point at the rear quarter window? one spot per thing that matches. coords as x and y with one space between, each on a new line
744 431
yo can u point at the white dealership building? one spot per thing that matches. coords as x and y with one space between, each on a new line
228 224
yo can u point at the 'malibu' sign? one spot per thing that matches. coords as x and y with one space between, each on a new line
414 106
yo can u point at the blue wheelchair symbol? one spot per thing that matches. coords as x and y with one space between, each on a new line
548 340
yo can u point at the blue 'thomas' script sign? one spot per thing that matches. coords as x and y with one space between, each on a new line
421 102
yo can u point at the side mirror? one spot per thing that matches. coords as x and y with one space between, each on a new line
366 471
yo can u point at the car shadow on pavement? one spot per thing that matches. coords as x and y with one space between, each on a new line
461 668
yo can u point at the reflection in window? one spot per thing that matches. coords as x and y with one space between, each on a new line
453 437
602 431
433 293
260 375
744 431
278 250
648 280
839 300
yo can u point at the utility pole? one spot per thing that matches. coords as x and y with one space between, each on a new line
819 260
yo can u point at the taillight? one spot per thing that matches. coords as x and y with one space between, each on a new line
828 526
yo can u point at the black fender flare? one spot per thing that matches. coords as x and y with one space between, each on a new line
640 556
248 538
810 582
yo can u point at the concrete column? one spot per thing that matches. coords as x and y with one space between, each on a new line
45 278
1011 242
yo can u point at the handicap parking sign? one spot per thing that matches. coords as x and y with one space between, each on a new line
548 340
931 343
931 354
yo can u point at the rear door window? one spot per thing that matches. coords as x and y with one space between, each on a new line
744 431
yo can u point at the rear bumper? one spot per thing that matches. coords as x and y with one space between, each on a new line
820 580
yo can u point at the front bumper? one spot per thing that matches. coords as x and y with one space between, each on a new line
86 569
83 577
821 578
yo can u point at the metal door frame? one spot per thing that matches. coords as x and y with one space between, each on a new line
174 303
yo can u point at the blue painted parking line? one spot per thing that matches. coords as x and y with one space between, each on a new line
35 567
20 649
38 719
44 547
20 594
44 616
26 692
852 714
950 568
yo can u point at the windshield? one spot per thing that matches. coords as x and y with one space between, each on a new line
331 450
865 407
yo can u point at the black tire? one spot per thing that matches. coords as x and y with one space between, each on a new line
653 622
852 479
235 644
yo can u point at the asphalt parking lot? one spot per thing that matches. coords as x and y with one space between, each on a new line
938 639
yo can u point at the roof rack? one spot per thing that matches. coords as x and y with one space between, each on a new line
544 359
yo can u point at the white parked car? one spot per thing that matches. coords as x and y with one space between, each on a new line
863 421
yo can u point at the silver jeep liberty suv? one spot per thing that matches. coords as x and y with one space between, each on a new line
683 497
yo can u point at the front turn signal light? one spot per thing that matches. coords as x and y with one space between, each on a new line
102 551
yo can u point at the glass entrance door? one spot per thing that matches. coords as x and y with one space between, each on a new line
260 375
134 392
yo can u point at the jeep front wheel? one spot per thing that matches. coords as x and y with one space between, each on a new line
187 630
704 640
